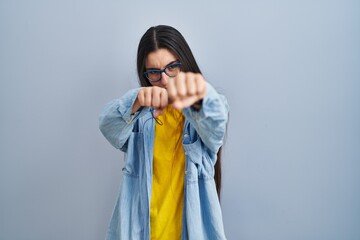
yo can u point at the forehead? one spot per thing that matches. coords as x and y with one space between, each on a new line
159 58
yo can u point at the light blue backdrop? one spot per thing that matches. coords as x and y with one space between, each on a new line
291 72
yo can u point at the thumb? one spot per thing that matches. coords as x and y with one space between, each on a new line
158 112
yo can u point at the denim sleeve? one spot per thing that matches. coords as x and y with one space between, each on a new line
116 121
211 120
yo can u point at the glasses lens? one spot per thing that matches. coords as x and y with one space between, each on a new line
153 75
173 69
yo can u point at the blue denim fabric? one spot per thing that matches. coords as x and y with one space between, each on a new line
203 135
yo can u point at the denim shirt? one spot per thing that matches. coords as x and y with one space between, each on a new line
133 134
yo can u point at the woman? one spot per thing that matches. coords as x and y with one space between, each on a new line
171 130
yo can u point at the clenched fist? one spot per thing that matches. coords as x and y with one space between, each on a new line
186 89
181 91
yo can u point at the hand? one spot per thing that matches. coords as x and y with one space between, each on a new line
154 96
186 89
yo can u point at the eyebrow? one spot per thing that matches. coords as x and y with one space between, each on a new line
175 61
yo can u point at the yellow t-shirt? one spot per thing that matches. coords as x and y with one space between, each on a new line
168 177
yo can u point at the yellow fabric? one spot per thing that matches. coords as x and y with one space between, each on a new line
168 177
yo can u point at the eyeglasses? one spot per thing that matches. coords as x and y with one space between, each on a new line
154 75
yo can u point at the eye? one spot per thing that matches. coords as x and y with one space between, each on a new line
173 66
153 71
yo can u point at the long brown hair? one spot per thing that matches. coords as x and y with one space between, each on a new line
167 37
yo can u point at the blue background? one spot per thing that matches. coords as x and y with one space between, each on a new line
290 70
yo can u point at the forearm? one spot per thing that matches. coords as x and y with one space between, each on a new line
117 119
210 119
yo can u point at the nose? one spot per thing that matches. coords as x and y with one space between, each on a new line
164 79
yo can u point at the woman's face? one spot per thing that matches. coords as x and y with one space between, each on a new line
160 59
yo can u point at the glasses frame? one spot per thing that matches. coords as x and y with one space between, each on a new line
175 64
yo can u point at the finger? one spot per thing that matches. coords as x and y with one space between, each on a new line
177 104
171 89
186 102
190 86
141 97
180 84
147 97
155 101
163 98
200 86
